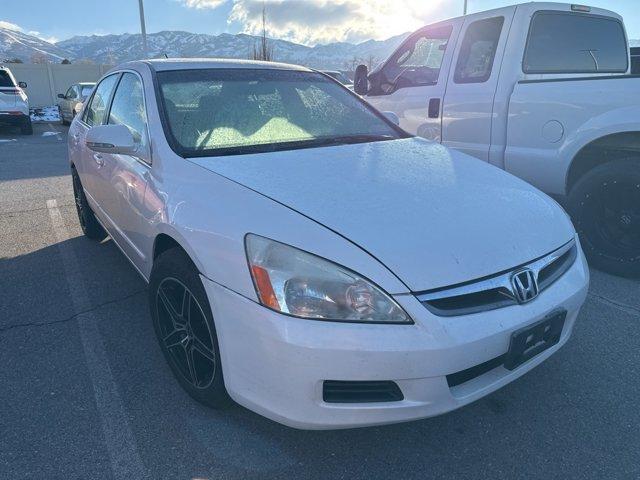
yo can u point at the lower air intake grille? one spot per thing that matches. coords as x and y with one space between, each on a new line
337 391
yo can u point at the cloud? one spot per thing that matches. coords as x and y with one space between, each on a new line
323 21
202 3
33 33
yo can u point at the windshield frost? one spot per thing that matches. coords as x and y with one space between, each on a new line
224 109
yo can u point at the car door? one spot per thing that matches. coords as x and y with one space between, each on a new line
124 177
412 82
91 163
469 99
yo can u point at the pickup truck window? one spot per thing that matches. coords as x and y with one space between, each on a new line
562 42
418 60
478 50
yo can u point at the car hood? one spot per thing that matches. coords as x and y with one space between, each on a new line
435 217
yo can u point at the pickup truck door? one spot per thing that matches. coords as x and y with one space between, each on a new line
123 178
473 79
412 82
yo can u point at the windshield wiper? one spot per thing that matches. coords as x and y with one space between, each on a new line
361 138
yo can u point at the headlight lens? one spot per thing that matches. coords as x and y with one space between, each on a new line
298 283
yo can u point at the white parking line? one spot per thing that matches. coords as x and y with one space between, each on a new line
120 441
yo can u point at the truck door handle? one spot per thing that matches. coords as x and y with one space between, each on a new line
99 160
434 107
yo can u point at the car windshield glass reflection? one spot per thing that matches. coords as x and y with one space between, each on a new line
233 111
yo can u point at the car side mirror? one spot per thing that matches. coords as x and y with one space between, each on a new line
392 117
22 84
116 139
361 80
61 95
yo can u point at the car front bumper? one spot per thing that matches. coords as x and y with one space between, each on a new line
275 365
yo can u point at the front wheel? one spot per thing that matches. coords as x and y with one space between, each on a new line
88 222
184 326
605 206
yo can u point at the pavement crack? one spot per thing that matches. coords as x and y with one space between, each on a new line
72 317
618 305
11 212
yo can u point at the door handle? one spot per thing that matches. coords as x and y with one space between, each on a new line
99 160
434 107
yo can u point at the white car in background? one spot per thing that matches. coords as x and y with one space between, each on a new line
14 104
70 103
307 257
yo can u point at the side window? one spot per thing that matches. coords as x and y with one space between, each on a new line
95 113
128 108
478 51
562 42
418 60
70 93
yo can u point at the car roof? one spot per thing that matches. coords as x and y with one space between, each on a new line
163 64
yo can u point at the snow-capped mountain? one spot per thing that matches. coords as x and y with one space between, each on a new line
16 44
113 49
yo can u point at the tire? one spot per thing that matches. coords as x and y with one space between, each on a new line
184 326
27 127
88 222
605 206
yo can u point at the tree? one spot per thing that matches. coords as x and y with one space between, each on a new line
264 50
12 60
66 61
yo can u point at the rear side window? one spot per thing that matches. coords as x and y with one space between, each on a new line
563 42
478 50
97 109
5 79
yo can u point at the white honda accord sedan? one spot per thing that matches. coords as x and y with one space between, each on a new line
309 259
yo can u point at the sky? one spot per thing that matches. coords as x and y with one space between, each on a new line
304 21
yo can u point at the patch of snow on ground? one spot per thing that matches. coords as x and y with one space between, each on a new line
45 114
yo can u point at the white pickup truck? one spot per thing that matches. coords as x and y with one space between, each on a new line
541 90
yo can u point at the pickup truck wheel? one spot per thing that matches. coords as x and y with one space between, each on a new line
605 206
88 222
184 326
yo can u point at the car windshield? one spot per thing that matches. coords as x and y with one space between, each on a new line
5 79
234 111
86 90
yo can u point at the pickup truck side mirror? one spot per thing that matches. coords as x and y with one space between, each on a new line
22 84
61 95
115 139
361 80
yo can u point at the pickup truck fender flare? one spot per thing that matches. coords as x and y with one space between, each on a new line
618 121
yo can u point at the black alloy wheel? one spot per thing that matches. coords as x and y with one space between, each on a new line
185 329
605 206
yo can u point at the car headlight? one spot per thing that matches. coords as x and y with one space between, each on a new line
297 283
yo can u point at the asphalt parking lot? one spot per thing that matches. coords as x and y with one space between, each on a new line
85 392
